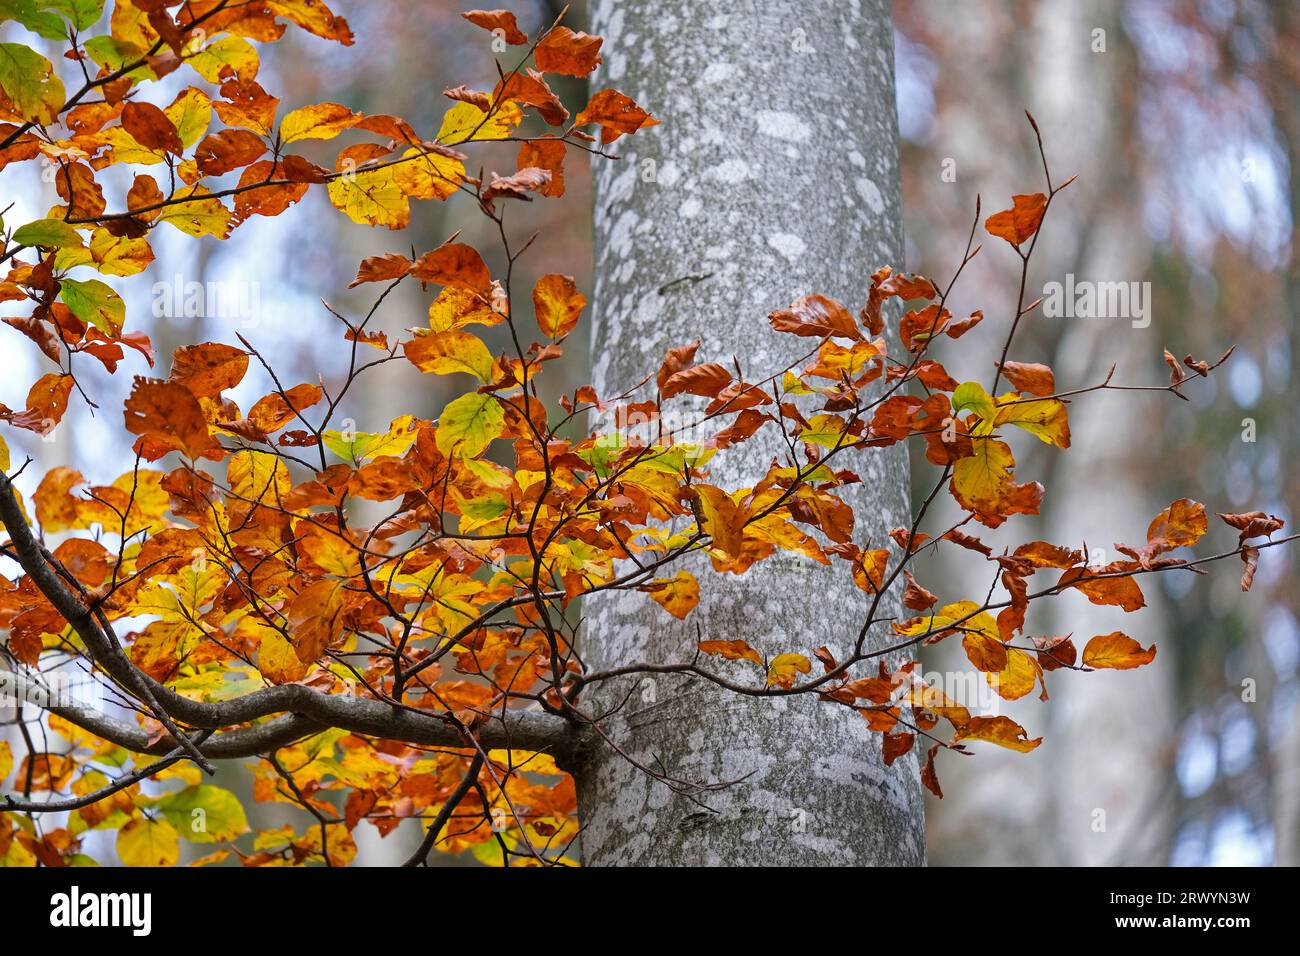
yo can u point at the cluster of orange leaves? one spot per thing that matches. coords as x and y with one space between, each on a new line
237 564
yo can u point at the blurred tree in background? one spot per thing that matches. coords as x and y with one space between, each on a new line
1182 121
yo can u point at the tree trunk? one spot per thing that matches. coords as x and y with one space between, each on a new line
774 175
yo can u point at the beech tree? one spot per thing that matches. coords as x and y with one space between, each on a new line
677 608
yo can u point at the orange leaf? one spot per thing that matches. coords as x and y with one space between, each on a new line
1030 377
167 417
616 114
1117 651
678 595
816 315
1002 731
381 269
209 368
494 20
454 264
557 304
573 54
736 650
1021 221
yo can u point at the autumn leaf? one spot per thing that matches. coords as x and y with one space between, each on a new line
498 21
444 353
815 315
678 595
896 745
563 51
1002 731
469 424
1021 221
1253 524
145 842
454 264
616 115
381 269
734 650
209 368
557 304
783 670
167 417
1030 378
323 121
1118 651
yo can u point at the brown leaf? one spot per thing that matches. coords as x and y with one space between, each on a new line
616 114
209 368
494 20
1021 221
573 54
818 316
1253 524
1030 377
895 745
1250 556
707 380
381 269
150 127
916 597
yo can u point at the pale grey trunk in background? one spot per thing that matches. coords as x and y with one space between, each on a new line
774 175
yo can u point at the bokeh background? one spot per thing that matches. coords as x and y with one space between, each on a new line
1181 119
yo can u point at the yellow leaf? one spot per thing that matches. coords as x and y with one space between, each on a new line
145 842
258 476
6 759
426 174
191 114
277 660
111 255
469 424
457 307
225 53
1045 418
199 215
677 595
322 121
465 122
30 83
782 670
372 198
1002 731
869 569
1019 676
358 446
444 353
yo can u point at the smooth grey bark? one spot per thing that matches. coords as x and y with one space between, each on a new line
774 175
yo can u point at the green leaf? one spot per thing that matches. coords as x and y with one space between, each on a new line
220 815
468 425
356 447
95 303
82 14
32 15
50 233
112 54
971 397
30 82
